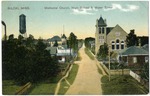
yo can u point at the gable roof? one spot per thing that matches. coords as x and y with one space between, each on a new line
145 47
117 28
55 38
101 22
133 50
108 29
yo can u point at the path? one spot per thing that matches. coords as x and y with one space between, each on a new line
87 81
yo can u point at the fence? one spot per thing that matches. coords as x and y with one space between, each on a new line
139 79
126 72
135 76
115 72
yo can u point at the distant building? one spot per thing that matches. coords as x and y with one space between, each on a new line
62 53
60 41
114 36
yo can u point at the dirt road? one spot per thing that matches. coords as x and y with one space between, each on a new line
87 81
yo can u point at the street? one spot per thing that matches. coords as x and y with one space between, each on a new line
87 81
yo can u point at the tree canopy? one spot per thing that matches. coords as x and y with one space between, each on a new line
24 63
131 39
73 42
103 51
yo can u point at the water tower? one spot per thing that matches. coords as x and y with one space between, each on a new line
22 25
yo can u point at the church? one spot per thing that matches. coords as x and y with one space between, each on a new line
114 36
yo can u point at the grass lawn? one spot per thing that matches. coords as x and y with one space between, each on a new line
78 57
46 87
43 89
121 85
64 86
9 87
89 53
99 70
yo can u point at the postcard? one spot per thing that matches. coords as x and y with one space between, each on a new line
75 47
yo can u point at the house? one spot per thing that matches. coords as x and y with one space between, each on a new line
114 36
134 55
62 53
60 41
55 39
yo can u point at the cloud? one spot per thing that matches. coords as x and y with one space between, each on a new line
83 11
129 8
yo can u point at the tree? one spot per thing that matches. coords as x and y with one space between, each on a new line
55 44
11 37
103 51
131 39
30 41
145 71
87 41
27 63
73 42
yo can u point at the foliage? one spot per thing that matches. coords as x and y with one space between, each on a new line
71 77
9 87
144 40
89 53
145 71
55 44
131 39
119 85
24 63
103 51
87 42
80 43
73 42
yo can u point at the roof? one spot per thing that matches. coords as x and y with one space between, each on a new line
108 29
133 50
101 22
55 38
145 47
63 36
64 46
52 50
115 29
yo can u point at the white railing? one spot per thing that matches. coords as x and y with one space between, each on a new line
135 76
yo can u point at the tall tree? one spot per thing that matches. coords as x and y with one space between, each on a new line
103 51
73 42
131 39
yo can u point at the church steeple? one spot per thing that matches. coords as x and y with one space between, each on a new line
101 22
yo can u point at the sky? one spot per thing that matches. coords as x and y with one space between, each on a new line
46 19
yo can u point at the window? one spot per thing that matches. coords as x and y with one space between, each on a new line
117 44
99 30
146 59
103 30
113 45
134 60
122 44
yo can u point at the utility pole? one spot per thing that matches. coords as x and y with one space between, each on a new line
109 62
